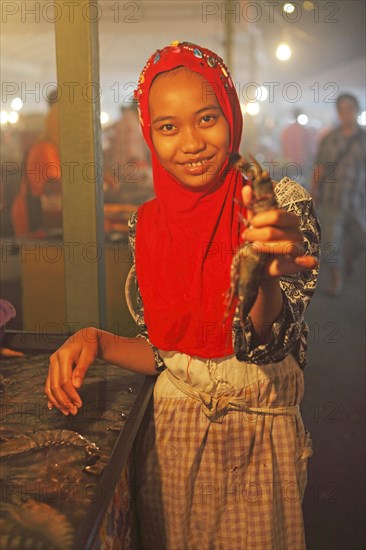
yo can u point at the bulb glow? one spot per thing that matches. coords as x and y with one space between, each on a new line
362 118
289 8
104 117
283 52
303 119
253 109
13 117
16 104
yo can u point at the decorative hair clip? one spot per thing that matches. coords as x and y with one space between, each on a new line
213 61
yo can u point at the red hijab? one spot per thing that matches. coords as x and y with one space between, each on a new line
185 239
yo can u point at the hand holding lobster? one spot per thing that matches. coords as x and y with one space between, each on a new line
273 241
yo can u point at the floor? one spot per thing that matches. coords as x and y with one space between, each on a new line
334 412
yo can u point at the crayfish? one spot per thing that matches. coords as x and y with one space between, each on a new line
248 264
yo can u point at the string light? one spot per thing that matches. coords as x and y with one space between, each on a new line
13 117
288 8
16 104
104 117
283 52
362 118
253 109
303 119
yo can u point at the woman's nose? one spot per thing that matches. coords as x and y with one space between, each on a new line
192 141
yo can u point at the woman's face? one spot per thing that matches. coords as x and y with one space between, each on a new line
347 112
189 131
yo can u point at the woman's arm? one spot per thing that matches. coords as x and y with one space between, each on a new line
134 354
266 309
272 331
70 363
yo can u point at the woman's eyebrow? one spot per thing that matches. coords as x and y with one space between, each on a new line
161 118
208 108
171 117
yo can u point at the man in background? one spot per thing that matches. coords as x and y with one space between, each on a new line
338 189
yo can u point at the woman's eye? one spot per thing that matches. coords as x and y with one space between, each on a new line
167 127
208 118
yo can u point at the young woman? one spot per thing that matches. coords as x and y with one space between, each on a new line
222 464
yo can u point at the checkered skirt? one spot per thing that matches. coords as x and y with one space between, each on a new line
236 484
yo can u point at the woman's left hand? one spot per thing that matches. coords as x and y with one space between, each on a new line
277 232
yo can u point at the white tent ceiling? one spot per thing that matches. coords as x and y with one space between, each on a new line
327 42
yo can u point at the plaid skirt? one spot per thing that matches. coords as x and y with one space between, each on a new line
222 464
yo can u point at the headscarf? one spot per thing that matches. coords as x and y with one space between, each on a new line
185 238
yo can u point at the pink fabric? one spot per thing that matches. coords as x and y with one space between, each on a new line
7 312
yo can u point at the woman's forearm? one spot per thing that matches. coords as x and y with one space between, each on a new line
134 354
267 308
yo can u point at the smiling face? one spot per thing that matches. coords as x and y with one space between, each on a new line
189 131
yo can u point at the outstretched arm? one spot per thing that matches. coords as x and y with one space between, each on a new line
276 233
271 331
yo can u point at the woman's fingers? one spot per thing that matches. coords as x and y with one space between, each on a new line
306 262
51 401
67 369
247 195
279 266
276 232
80 370
278 218
288 249
269 233
59 388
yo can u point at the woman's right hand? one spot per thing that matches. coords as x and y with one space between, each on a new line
67 369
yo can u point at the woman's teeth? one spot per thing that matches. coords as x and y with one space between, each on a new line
193 164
